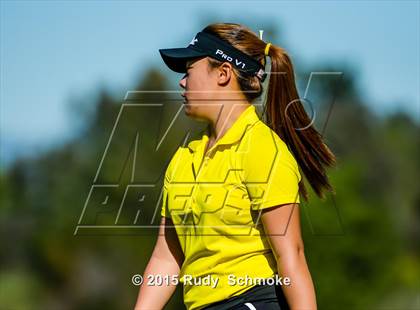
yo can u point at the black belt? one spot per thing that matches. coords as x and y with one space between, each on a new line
256 293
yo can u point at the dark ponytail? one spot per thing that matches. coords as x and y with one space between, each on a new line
286 115
284 112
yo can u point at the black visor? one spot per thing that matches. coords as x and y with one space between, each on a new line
205 44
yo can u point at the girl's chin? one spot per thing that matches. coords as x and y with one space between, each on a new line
187 108
191 112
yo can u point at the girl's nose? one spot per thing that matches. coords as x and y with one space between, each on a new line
182 81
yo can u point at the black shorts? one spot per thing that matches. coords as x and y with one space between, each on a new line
264 297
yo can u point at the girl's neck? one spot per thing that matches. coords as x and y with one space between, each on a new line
227 117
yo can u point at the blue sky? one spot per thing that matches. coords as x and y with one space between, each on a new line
53 53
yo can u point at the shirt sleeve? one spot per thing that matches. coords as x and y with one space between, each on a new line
164 211
269 170
164 208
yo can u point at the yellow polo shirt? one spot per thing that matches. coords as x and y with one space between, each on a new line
213 200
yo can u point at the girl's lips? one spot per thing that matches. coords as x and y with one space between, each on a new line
185 98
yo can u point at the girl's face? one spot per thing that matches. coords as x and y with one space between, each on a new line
200 85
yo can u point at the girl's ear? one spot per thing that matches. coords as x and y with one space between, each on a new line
224 73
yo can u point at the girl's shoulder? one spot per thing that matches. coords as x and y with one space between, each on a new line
261 137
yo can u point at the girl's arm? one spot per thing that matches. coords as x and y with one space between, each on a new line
282 227
166 260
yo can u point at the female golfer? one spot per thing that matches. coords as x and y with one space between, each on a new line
230 228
